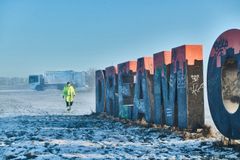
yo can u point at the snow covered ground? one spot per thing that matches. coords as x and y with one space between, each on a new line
49 102
35 125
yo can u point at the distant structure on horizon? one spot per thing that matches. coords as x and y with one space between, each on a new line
12 83
57 80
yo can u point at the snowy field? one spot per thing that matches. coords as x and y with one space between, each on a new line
49 102
35 125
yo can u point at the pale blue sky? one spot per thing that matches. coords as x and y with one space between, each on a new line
36 36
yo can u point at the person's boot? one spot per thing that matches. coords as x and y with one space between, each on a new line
68 108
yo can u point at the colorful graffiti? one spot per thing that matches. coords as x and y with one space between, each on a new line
126 75
223 83
163 100
190 110
168 88
143 93
157 88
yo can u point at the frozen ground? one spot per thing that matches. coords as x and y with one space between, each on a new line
35 125
49 102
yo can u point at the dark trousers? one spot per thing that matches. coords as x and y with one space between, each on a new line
69 103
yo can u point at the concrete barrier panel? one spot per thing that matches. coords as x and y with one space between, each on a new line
126 74
100 91
187 61
223 83
112 91
143 92
169 87
162 61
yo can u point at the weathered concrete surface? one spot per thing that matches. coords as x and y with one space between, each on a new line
223 83
112 91
143 92
195 95
169 88
230 85
190 107
100 91
174 98
162 60
126 73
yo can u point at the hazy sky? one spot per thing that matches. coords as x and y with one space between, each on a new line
36 36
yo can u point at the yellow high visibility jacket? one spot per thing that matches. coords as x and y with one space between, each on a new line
68 93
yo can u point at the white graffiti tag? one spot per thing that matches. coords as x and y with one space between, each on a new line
196 88
195 78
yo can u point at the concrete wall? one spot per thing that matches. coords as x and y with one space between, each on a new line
223 83
178 87
162 61
188 68
112 91
168 88
126 76
100 91
164 89
143 92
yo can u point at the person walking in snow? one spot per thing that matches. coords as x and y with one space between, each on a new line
68 94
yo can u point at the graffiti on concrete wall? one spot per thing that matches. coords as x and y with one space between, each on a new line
111 91
178 87
220 47
162 108
143 93
156 88
126 73
181 79
222 83
196 86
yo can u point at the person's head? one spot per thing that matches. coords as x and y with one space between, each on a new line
68 83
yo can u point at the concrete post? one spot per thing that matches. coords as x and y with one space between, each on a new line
112 91
143 92
126 74
100 91
162 61
187 60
